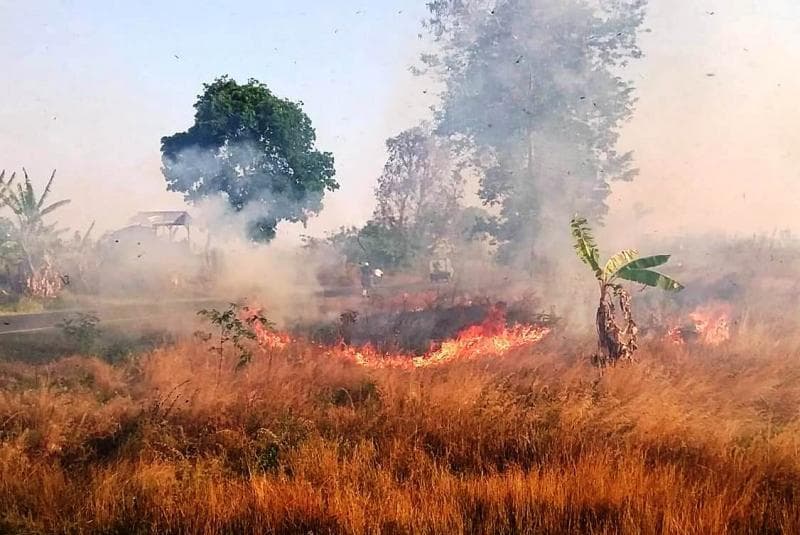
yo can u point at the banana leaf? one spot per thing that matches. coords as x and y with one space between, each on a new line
622 258
647 262
585 246
650 278
54 206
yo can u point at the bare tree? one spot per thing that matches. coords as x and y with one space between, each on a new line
420 190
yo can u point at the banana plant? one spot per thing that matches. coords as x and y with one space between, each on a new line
617 341
32 235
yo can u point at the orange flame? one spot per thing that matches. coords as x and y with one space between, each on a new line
491 338
675 335
473 343
710 325
271 339
468 345
265 336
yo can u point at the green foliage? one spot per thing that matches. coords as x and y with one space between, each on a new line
378 244
647 262
25 204
81 328
234 325
585 246
419 192
112 344
649 278
638 271
614 340
618 260
117 345
386 246
28 241
391 247
283 435
256 149
10 251
29 231
418 202
623 265
20 304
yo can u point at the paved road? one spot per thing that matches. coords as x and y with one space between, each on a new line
178 309
43 321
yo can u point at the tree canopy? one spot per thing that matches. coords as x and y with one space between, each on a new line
537 86
255 149
419 192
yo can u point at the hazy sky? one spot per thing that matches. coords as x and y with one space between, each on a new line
723 151
89 87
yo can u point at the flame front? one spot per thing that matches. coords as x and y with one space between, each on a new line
473 342
265 336
491 338
271 339
710 325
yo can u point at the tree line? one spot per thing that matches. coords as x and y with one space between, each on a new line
533 97
532 101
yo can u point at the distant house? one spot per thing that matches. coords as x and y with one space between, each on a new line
167 221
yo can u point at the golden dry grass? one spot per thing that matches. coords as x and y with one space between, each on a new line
699 440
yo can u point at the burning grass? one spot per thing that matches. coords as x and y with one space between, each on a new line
531 439
709 324
492 337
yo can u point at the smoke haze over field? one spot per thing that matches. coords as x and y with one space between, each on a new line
91 89
424 266
715 131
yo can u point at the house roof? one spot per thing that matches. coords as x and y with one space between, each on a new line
166 218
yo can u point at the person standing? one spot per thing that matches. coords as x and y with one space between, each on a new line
366 279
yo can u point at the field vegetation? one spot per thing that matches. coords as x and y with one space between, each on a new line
689 439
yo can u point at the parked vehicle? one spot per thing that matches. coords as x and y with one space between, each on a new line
441 270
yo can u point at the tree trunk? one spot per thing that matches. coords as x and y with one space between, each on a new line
531 157
614 342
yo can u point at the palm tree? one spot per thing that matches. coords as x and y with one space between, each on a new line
35 239
614 341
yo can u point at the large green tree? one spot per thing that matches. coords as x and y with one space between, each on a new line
256 150
537 86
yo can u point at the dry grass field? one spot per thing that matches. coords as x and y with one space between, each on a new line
687 440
